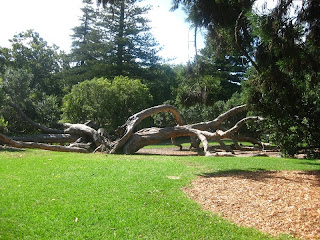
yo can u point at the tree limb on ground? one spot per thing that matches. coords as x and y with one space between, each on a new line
18 144
83 138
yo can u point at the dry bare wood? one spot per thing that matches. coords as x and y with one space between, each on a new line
18 144
135 119
85 138
47 138
151 136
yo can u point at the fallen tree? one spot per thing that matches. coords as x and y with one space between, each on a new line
84 138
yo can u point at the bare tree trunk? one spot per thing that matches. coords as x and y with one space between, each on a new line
72 132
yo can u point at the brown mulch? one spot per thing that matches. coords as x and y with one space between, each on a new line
272 201
168 151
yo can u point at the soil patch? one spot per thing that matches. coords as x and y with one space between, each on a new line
272 201
174 151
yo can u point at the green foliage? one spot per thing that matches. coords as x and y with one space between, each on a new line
111 42
211 78
162 81
286 86
31 53
108 103
282 46
51 195
29 80
3 124
17 84
48 110
38 106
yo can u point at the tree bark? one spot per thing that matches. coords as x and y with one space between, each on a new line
151 136
48 138
19 144
86 139
220 119
135 119
72 132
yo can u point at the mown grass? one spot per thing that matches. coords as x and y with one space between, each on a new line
49 195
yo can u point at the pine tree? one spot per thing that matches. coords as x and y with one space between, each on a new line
112 41
129 43
86 37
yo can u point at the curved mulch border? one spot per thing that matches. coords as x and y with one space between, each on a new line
272 201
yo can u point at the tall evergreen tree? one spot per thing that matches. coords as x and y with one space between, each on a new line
130 44
113 41
85 37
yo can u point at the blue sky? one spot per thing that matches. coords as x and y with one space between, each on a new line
53 20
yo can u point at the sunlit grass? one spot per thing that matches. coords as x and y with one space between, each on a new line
47 195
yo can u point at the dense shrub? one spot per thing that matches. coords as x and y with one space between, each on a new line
107 102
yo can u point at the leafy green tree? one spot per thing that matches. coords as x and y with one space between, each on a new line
32 53
211 77
282 46
29 79
107 102
285 86
162 81
4 59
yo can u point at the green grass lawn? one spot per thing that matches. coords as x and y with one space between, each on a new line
50 195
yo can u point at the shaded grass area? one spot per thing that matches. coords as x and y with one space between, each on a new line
49 195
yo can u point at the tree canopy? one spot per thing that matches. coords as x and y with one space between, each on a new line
282 46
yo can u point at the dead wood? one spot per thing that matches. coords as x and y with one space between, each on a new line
151 136
84 138
48 138
18 144
132 142
219 120
135 119
71 133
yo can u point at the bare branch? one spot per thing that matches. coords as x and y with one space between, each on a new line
220 119
48 138
18 144
135 119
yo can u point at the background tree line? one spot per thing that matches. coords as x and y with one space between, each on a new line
269 60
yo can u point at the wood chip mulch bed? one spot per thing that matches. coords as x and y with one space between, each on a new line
272 201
